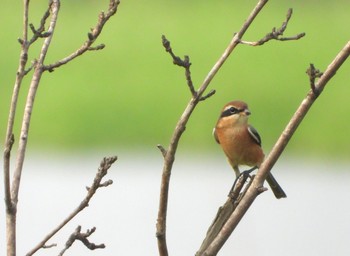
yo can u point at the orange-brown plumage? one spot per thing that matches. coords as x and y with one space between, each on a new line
240 142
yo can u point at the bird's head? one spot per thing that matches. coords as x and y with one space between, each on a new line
235 112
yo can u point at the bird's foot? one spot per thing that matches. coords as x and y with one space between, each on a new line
245 174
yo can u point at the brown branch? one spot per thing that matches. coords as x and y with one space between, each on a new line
29 105
162 150
39 33
185 63
232 45
83 237
313 74
9 139
277 150
92 36
225 211
105 164
12 197
49 246
276 34
211 93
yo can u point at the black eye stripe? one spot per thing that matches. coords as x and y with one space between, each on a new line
231 111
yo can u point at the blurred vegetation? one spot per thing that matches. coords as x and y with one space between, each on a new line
130 94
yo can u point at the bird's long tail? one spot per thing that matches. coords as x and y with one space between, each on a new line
275 187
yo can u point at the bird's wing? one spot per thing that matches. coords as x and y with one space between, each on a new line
255 135
215 136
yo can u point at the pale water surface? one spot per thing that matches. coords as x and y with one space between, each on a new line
313 220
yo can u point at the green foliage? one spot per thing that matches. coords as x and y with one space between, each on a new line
130 93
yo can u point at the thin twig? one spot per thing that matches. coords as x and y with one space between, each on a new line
105 164
185 63
39 33
10 207
211 93
49 246
277 150
83 237
92 36
277 34
162 149
313 74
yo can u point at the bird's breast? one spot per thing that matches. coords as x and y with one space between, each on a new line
239 147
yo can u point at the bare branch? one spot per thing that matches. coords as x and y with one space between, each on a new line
255 188
7 155
9 140
185 63
105 164
162 150
97 48
39 33
49 246
92 36
211 93
13 197
34 62
104 184
232 45
313 73
55 5
224 211
83 237
276 34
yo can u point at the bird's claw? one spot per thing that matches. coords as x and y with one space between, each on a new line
245 174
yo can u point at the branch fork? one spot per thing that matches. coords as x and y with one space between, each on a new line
77 235
276 34
186 64
314 74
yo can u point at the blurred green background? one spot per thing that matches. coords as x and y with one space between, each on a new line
130 95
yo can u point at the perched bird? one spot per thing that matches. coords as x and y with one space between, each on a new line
241 142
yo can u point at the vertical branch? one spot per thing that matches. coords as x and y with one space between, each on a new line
12 196
38 71
9 139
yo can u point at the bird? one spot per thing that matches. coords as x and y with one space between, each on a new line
241 142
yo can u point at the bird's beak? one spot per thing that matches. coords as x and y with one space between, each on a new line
247 112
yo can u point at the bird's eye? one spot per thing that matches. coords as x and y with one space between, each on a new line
233 110
230 111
